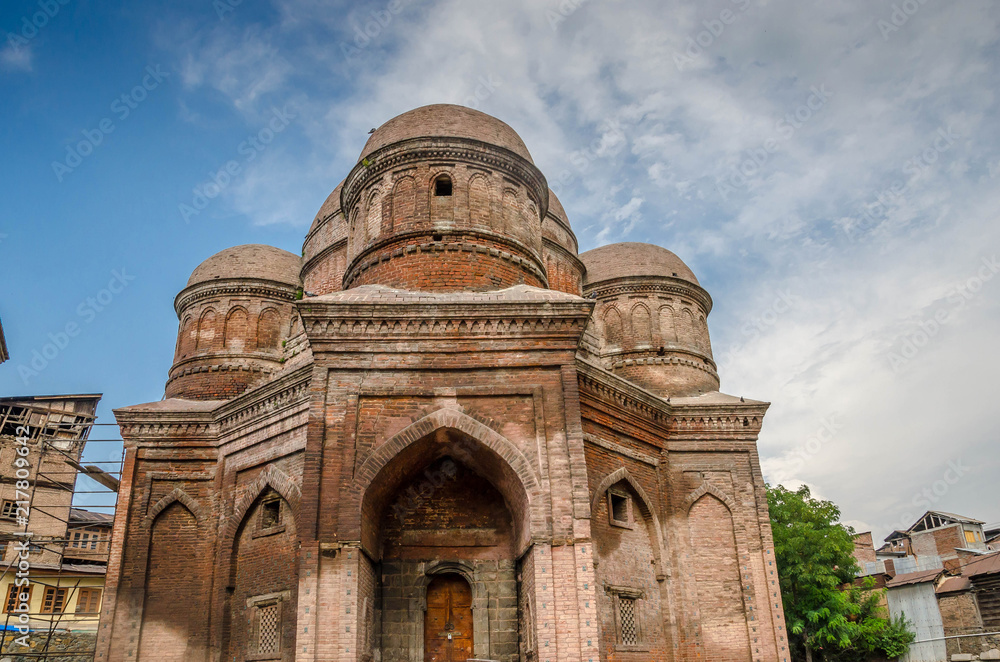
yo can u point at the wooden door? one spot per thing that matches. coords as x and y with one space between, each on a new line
448 624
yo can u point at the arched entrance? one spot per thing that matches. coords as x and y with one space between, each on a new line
448 629
444 521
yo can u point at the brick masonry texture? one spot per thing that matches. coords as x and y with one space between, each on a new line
443 400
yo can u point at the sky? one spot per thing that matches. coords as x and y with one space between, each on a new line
829 170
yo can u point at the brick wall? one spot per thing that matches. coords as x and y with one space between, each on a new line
176 590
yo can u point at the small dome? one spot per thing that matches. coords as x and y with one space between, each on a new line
556 208
631 258
447 121
330 207
249 261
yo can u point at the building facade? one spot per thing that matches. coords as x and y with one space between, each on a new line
42 440
443 434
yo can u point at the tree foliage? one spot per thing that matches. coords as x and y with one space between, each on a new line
814 556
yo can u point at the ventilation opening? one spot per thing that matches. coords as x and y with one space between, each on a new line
627 619
437 237
442 187
619 507
270 514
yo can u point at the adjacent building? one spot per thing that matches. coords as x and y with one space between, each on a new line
66 575
441 433
942 575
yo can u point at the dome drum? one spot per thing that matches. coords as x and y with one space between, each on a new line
462 216
651 317
234 315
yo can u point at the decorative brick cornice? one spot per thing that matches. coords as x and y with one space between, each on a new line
466 150
233 287
436 317
183 369
610 388
652 285
204 421
291 391
661 360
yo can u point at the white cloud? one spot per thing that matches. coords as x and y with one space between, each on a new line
615 125
16 58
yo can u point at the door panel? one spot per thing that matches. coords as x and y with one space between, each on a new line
448 624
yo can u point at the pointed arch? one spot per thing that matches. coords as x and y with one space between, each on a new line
479 201
271 477
237 328
206 330
268 329
373 218
668 328
505 466
404 201
708 488
612 323
176 496
642 325
645 504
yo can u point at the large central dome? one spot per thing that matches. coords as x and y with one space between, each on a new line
446 121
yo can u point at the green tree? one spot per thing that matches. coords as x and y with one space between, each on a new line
814 556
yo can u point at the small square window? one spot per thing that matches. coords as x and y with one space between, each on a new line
270 514
620 509
442 187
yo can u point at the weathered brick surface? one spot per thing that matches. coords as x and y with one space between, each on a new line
430 413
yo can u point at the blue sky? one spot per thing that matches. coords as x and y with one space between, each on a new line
829 170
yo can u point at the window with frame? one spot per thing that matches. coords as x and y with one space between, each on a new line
54 600
628 617
270 514
88 601
9 509
628 631
14 597
264 642
620 508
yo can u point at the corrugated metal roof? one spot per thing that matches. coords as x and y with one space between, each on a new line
953 585
81 515
914 578
984 565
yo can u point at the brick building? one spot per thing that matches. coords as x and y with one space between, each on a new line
443 434
65 577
